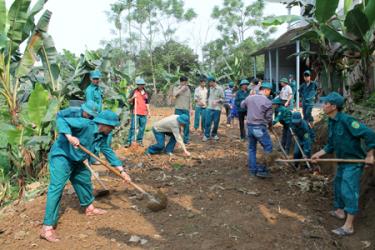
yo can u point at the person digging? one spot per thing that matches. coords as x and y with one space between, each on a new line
172 126
259 119
284 116
66 163
302 134
345 137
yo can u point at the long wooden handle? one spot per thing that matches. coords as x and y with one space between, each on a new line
95 175
113 170
299 147
324 160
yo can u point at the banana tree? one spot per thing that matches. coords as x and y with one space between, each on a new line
16 26
353 31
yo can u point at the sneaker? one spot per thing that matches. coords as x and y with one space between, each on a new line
263 174
127 145
216 137
252 173
204 138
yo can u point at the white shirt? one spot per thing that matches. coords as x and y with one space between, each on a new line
170 125
285 92
200 95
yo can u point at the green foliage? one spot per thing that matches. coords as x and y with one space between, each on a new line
37 105
325 9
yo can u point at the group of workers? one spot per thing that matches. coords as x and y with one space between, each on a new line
91 127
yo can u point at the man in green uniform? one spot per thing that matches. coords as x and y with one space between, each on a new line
284 116
345 137
93 92
307 92
88 110
66 163
302 133
242 112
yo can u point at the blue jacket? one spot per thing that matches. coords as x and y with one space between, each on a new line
94 93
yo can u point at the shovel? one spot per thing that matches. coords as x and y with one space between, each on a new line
281 147
299 147
325 160
101 193
154 203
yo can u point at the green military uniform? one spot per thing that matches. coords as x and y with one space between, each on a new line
284 116
345 135
308 93
302 132
66 162
93 92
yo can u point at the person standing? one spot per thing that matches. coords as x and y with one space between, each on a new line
307 92
255 86
215 104
228 96
66 163
348 139
293 85
200 98
93 92
302 132
171 126
284 116
182 97
240 96
140 109
259 118
286 93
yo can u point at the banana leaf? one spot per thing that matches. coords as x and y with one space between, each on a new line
3 16
370 12
334 36
278 20
356 22
17 17
325 9
37 105
49 56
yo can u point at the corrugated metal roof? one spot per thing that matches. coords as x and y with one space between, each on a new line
284 40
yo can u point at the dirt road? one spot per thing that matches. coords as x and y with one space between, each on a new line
213 204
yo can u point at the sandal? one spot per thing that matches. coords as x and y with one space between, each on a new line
336 215
49 235
95 211
342 231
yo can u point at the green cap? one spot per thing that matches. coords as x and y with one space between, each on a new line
90 108
277 101
183 119
231 84
307 72
140 81
284 80
296 117
334 98
211 79
95 74
244 82
107 117
266 85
